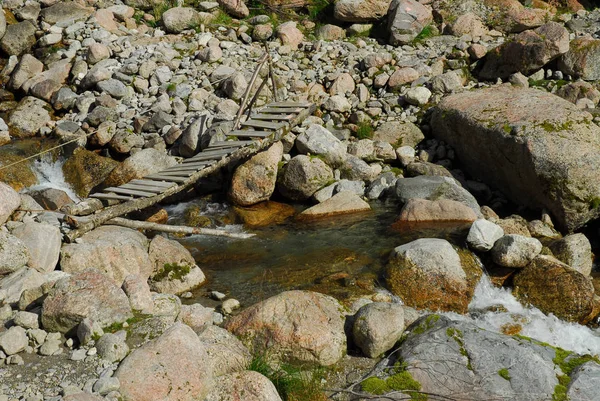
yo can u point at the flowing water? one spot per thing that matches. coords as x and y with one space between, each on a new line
343 257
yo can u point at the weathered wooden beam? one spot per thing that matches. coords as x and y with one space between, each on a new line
166 228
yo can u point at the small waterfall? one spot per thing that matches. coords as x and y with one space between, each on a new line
50 175
493 308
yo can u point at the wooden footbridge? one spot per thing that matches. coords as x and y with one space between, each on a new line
260 130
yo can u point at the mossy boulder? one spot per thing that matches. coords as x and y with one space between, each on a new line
554 287
533 146
85 169
583 59
428 274
264 213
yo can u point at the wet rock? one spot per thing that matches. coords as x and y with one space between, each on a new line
519 127
582 59
554 287
407 18
515 250
303 176
483 234
574 250
265 213
254 180
317 140
13 340
434 188
443 210
341 203
43 241
19 38
28 117
360 10
9 202
51 198
85 169
377 327
294 326
226 353
142 163
84 295
381 186
112 347
114 251
175 365
427 274
528 52
179 19
248 385
175 270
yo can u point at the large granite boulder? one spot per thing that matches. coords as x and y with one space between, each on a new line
86 169
247 386
89 294
294 326
303 176
9 202
43 241
114 251
14 254
527 52
532 145
171 367
428 274
254 180
142 163
406 19
583 59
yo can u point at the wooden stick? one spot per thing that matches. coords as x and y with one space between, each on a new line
145 225
261 61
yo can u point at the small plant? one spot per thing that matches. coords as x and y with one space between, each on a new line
292 383
427 32
159 9
222 18
316 9
400 380
364 131
503 373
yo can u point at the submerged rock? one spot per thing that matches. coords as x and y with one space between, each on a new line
533 146
265 213
294 326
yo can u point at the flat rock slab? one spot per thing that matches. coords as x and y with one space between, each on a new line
341 203
534 146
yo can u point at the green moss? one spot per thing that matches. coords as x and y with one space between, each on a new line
172 271
507 128
317 9
113 328
556 127
375 385
400 380
457 335
503 373
223 18
426 33
426 325
159 9
560 390
595 203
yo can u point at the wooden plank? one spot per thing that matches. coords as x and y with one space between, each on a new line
272 117
263 124
209 157
125 191
182 169
228 144
100 195
250 134
153 182
146 188
176 173
198 165
167 178
202 155
281 110
290 104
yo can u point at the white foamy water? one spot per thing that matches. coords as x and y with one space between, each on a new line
50 175
534 323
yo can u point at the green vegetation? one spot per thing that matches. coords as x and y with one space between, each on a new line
113 328
317 9
364 131
549 126
222 18
426 325
595 203
427 32
503 373
172 271
457 336
159 9
400 380
292 382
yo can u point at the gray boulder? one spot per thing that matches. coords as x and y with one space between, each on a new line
483 234
142 163
9 202
515 250
527 52
226 352
303 176
317 140
28 117
360 10
583 384
179 19
14 254
13 340
533 146
65 13
377 327
583 59
399 133
407 18
112 347
2 25
576 251
89 294
19 38
381 185
21 280
435 188
43 241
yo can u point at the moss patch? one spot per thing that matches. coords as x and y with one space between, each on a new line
401 380
172 271
503 373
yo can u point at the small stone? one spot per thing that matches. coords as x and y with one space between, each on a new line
483 234
105 385
230 305
14 340
515 250
418 96
27 320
